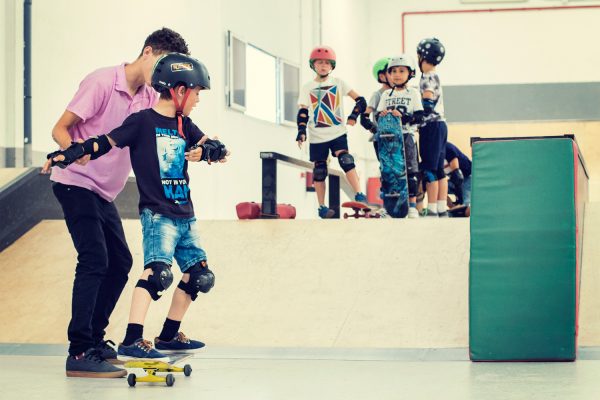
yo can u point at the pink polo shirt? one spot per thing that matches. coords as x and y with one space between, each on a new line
103 102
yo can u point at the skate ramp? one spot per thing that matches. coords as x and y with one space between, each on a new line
281 283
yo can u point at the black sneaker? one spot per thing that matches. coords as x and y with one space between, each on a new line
91 365
443 214
108 352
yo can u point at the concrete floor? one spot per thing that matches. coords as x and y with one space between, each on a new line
290 374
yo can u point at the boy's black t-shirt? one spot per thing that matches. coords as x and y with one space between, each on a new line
464 163
158 160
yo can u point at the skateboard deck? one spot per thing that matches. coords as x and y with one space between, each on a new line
361 210
152 367
392 164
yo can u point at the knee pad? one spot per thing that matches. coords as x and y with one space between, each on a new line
440 174
346 161
160 280
429 176
320 171
202 280
413 185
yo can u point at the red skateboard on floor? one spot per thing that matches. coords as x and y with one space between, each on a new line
361 210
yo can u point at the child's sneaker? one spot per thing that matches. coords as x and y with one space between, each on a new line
91 365
413 213
326 212
107 351
180 343
427 213
140 349
360 197
443 214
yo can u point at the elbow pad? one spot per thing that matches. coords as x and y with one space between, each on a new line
359 108
429 105
302 120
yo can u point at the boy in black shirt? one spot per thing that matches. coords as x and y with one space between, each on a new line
161 140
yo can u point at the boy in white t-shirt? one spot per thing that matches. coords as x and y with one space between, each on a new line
405 102
321 110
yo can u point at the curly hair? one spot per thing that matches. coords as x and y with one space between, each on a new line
166 40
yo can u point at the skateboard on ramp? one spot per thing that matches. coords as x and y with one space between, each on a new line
361 210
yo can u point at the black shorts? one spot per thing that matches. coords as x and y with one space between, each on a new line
320 151
432 144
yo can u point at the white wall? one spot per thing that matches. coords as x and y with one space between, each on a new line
344 24
3 93
494 48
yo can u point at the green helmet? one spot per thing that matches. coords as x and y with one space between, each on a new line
379 67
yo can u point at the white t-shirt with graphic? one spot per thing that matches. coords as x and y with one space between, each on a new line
407 101
326 118
430 81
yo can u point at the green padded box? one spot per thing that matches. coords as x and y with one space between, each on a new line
528 196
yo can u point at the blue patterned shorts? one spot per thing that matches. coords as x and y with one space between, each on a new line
165 238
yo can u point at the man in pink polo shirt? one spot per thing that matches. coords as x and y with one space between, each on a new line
86 193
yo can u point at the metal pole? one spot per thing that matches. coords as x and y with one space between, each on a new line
269 188
27 152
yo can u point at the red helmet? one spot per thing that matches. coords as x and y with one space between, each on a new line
322 53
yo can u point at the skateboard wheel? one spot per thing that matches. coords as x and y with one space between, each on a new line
187 370
345 215
170 379
131 380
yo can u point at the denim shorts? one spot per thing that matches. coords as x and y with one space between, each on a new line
165 238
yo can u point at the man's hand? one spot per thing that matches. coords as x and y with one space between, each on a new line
53 158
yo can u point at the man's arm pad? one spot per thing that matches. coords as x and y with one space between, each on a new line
103 146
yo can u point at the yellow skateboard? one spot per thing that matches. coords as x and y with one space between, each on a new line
152 367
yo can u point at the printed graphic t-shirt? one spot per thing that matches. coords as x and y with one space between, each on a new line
326 118
407 101
431 82
158 160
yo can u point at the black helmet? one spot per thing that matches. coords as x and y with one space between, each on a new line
175 69
431 50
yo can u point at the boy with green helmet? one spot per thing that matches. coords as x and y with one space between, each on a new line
379 73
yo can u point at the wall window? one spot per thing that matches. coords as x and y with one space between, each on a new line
290 82
260 84
238 73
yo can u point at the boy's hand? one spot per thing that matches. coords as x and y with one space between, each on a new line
351 122
300 138
383 113
212 150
